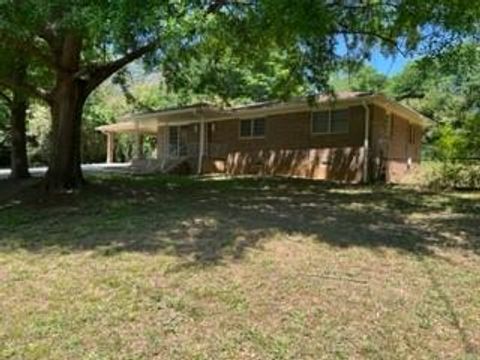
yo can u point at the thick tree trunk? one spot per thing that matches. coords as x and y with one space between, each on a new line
18 115
68 99
64 170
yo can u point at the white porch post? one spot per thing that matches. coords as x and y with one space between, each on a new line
138 142
201 148
159 142
110 147
366 144
166 145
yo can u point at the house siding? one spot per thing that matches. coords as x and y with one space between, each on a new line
391 149
289 148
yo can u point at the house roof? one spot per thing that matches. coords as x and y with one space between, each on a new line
203 111
320 98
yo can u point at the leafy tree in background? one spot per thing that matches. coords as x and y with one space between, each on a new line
446 89
304 37
106 105
227 79
79 44
361 78
4 146
16 101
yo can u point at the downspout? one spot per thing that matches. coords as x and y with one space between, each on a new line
166 145
138 141
366 143
201 145
158 148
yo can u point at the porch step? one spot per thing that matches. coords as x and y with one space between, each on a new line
146 166
178 166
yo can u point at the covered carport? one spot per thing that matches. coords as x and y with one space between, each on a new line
158 124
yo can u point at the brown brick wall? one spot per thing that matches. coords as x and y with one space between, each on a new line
378 144
389 152
289 148
339 164
288 131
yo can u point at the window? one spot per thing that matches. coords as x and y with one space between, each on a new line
173 137
339 122
252 128
330 122
245 128
321 122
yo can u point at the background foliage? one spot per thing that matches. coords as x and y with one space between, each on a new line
445 89
4 146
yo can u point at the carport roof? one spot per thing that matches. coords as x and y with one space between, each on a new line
150 121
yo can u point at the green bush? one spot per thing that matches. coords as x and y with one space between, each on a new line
440 175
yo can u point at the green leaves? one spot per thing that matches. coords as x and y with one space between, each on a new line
236 51
213 36
446 89
365 78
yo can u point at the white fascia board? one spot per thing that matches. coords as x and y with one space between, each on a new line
297 106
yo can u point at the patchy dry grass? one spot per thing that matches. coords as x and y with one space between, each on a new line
179 268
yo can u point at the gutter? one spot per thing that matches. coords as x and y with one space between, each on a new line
366 144
201 141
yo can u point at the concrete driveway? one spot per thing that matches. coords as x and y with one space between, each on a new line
87 168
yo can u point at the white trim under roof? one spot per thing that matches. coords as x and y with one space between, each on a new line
149 122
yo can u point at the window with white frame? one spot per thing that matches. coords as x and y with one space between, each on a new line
252 128
330 122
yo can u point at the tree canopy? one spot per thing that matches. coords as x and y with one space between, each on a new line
447 90
444 88
269 48
360 78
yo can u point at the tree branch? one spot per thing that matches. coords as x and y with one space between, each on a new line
372 34
216 5
96 74
410 95
28 48
28 89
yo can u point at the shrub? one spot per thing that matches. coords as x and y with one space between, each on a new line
439 175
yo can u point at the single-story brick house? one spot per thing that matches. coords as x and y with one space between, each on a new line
350 137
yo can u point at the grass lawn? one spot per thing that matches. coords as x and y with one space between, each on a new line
182 268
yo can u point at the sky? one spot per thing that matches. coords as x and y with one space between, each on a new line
388 65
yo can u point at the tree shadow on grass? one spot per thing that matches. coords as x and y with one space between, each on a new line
207 222
211 220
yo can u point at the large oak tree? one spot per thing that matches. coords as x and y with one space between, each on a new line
79 44
16 101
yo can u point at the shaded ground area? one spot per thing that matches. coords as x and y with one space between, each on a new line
165 267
